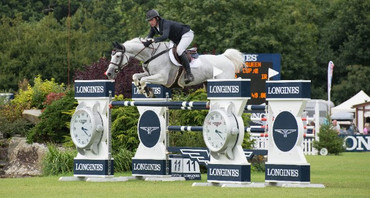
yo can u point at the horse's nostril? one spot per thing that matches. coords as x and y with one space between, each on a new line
109 74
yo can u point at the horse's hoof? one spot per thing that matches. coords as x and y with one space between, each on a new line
148 92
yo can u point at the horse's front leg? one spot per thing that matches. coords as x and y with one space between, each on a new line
137 77
154 79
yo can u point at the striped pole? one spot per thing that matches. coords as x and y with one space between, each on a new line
252 129
191 105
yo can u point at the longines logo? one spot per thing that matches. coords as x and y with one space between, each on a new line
216 123
149 129
89 89
283 90
285 132
224 89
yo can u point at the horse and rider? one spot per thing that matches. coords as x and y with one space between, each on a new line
178 33
161 59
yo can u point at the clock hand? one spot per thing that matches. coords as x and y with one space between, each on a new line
84 130
219 133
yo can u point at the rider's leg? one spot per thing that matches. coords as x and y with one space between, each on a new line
185 41
185 62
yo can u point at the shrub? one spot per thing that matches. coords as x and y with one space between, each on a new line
30 97
51 97
124 127
123 80
58 161
188 118
9 128
122 160
52 126
329 139
35 96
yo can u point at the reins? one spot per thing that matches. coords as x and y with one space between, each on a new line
123 50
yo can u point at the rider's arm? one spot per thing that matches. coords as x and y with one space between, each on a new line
166 32
151 33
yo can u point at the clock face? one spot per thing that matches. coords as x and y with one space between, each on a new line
82 128
215 130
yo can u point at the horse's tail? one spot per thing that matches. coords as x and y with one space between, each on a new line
236 57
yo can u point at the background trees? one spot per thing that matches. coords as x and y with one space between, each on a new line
35 36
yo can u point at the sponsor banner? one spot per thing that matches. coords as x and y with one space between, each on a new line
357 143
93 88
282 172
288 89
92 167
149 167
239 88
201 154
158 90
229 173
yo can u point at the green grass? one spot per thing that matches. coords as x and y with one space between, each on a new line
346 175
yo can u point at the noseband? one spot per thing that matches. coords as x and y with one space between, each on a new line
119 65
123 50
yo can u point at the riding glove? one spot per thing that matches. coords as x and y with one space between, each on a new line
148 42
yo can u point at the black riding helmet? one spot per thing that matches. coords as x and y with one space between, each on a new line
151 14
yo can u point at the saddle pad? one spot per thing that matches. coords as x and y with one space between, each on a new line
193 64
173 59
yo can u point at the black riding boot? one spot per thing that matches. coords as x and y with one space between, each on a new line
185 63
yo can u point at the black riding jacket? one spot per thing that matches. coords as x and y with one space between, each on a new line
169 30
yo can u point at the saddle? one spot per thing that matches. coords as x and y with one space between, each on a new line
175 75
191 54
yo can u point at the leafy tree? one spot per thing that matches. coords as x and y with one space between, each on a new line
329 139
344 40
52 127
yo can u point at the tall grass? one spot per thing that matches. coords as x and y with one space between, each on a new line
58 161
123 160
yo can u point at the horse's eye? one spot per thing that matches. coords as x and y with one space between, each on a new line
116 70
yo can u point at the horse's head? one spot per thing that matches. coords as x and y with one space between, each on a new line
118 61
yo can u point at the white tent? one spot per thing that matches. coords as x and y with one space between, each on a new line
346 106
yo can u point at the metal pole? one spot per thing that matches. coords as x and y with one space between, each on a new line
109 134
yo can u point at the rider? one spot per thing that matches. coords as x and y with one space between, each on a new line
178 33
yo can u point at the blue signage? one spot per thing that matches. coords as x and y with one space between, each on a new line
149 167
222 172
285 131
92 167
256 67
357 143
159 91
201 154
94 88
288 89
239 88
149 128
281 172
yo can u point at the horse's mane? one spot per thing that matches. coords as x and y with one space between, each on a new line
140 40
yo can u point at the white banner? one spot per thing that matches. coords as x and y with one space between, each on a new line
330 76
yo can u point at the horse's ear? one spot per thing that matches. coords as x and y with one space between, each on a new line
118 45
114 45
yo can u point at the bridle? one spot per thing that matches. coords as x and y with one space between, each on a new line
124 56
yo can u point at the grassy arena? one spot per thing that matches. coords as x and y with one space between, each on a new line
347 175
